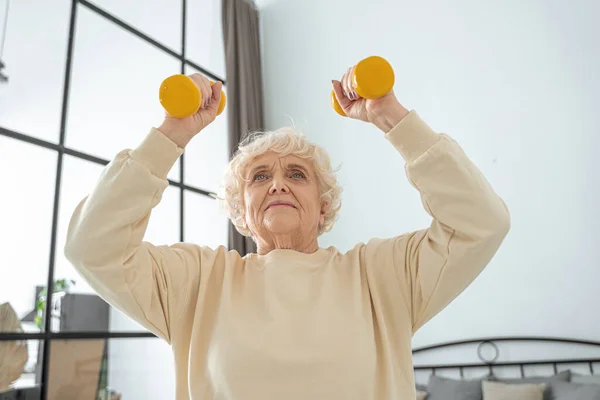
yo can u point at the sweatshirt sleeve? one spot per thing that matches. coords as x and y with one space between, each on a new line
105 239
469 220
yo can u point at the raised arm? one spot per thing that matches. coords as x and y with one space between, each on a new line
431 266
469 220
104 240
152 284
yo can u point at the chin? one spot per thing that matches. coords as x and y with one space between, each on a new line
281 225
280 229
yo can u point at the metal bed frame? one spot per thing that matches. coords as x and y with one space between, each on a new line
476 346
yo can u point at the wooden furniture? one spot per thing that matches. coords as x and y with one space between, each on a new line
77 366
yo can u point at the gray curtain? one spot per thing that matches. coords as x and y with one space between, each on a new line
243 74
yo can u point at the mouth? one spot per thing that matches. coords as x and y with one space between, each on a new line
280 204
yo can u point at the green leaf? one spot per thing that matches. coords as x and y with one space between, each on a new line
38 321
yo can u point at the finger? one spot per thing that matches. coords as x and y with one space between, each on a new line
215 99
206 93
348 83
339 94
343 81
197 79
353 93
202 84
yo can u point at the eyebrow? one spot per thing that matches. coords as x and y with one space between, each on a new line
297 166
268 167
258 168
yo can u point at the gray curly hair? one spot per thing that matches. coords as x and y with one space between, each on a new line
285 141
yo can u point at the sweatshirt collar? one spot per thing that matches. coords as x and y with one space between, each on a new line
287 257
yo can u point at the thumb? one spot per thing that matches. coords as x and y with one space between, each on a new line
339 94
216 96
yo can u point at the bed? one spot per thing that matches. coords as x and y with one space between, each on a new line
498 368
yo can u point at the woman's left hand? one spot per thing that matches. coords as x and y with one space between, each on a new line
363 109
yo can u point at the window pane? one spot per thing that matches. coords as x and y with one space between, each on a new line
22 360
28 174
163 227
140 368
31 100
79 179
142 15
205 224
114 90
204 35
207 155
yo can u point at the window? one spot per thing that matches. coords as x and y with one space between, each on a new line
114 88
62 119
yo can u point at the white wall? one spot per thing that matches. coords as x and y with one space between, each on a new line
516 83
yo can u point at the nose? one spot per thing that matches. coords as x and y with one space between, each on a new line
278 186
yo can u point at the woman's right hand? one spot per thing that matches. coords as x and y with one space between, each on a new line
182 130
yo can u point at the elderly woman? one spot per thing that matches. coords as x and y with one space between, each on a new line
293 321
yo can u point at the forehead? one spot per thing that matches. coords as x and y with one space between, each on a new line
272 159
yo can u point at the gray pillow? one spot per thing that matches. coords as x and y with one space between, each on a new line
563 376
574 391
421 387
588 379
440 388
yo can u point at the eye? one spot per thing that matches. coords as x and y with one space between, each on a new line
260 176
298 175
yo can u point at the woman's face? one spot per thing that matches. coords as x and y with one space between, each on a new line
281 197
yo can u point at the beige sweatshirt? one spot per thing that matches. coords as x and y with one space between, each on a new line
289 325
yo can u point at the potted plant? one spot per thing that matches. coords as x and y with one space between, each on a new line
61 286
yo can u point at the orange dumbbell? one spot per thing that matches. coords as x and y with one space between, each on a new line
373 77
180 97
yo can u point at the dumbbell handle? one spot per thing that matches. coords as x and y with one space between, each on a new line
372 78
180 97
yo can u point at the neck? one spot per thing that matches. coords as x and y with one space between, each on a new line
286 242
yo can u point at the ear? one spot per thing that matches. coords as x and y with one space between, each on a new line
322 215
